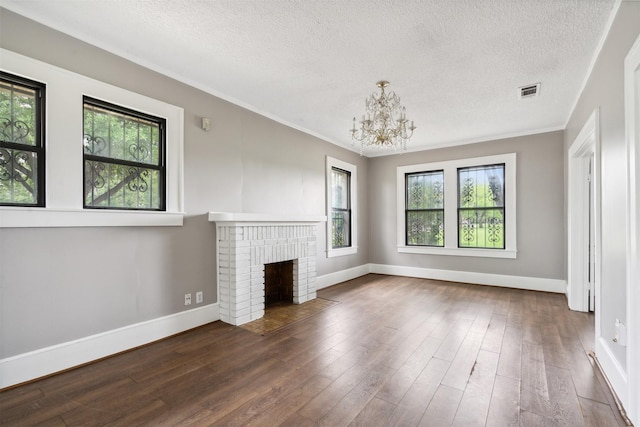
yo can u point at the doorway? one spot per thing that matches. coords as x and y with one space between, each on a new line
583 219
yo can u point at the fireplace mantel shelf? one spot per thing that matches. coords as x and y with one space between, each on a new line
240 217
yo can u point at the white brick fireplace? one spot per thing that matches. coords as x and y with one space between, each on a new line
245 243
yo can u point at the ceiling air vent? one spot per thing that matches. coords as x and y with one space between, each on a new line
528 91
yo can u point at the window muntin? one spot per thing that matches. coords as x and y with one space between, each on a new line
22 156
481 202
424 212
340 208
124 165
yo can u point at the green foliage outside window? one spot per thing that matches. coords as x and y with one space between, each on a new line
21 142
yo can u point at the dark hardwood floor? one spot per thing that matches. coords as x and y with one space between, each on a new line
395 351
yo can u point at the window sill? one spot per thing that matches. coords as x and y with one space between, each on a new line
331 253
23 217
483 253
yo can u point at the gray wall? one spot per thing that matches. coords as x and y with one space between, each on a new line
540 223
60 284
605 90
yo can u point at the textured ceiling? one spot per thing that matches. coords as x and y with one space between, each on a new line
456 64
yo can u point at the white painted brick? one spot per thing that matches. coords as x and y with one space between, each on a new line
241 320
243 311
259 314
239 244
236 299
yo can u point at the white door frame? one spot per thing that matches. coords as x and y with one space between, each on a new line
586 144
632 120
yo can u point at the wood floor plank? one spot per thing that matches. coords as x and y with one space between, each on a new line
375 414
504 408
321 404
530 419
414 403
442 408
495 333
565 404
510 363
554 352
287 403
454 338
474 405
464 362
534 396
348 408
154 409
395 388
598 414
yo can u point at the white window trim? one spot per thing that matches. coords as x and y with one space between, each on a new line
353 249
63 150
450 169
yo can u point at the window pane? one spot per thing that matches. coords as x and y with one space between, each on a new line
481 207
425 190
21 141
121 186
341 236
17 114
118 136
18 177
425 208
481 228
425 228
481 187
339 189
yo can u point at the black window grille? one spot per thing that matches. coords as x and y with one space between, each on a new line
424 208
22 130
340 208
124 158
481 202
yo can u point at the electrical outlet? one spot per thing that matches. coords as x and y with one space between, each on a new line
199 297
187 299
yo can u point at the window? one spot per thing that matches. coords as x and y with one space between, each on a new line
463 207
22 105
425 208
481 207
123 158
341 208
70 200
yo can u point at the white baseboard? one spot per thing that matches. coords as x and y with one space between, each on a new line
341 276
613 370
519 282
35 364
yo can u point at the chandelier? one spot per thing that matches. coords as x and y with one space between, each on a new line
384 124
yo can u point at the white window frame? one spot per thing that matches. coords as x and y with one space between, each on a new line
450 169
353 170
63 148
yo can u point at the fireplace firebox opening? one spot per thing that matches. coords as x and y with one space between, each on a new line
278 283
